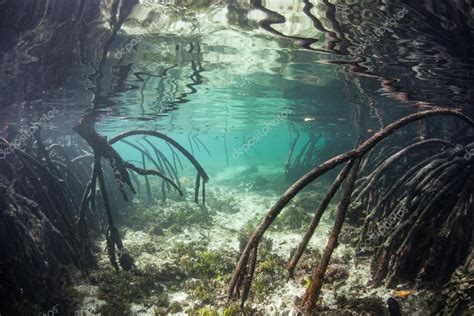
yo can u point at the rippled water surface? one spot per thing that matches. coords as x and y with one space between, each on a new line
222 70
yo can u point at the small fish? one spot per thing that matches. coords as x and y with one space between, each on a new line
370 130
309 119
402 293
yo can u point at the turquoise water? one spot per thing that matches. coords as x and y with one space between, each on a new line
247 118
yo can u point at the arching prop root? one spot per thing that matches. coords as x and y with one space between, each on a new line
241 280
162 165
201 173
103 149
422 228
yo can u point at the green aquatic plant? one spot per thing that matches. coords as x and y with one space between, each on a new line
227 310
308 200
246 231
219 201
146 247
270 265
207 311
293 217
211 263
199 262
139 216
232 310
270 274
175 229
174 216
207 270
204 293
121 289
184 214
175 307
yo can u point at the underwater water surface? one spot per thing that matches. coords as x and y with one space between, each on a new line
258 93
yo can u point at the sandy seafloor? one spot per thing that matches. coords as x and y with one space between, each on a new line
223 234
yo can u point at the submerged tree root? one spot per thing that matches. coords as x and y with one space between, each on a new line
435 215
450 175
38 234
103 149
